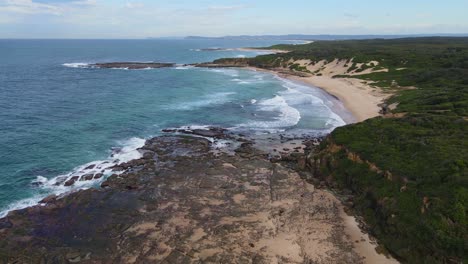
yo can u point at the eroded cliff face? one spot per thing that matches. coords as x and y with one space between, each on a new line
325 160
389 206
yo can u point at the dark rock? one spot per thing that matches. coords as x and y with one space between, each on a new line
212 132
60 180
301 163
192 201
118 168
275 159
5 223
148 155
87 177
132 65
98 175
71 181
73 256
37 184
49 199
90 167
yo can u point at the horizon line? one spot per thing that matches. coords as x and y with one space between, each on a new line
237 36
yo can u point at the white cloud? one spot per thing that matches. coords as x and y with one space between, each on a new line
28 7
139 19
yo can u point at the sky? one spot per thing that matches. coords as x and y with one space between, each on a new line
176 18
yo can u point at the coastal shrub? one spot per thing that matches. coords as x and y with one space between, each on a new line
416 203
420 212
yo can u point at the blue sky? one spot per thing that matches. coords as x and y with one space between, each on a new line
156 18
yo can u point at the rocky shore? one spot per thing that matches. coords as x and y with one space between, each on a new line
186 201
132 65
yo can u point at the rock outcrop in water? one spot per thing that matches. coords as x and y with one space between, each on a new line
184 203
132 65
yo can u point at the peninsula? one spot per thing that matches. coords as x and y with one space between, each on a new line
400 169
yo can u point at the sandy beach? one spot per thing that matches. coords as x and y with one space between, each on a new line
359 98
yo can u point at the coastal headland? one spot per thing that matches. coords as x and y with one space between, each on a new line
186 201
402 171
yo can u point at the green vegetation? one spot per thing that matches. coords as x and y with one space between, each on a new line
415 202
412 188
298 67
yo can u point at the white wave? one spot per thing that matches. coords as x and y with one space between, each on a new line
334 121
241 56
192 127
247 81
253 101
128 151
220 144
298 94
21 204
228 72
212 99
76 65
259 76
288 116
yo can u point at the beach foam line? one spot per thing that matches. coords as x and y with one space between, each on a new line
287 116
303 94
225 71
127 151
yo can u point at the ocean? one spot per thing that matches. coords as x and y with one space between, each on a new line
58 116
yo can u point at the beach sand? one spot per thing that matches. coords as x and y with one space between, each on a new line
359 98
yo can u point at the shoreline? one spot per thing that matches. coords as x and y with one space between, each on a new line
360 102
256 195
363 102
360 99
273 51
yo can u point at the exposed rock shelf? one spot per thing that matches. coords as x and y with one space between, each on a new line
132 65
183 203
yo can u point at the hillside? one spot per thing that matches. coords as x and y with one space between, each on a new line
408 169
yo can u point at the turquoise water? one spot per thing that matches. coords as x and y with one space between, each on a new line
57 116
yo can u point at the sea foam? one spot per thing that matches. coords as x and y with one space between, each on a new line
76 65
212 99
127 150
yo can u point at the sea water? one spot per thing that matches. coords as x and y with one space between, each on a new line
58 116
